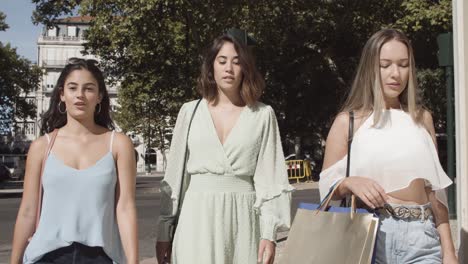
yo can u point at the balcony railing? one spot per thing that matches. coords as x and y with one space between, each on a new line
54 63
61 38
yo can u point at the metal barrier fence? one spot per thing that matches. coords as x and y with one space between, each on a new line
299 169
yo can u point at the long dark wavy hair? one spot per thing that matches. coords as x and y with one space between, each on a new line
252 85
53 119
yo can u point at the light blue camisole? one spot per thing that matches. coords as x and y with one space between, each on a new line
77 206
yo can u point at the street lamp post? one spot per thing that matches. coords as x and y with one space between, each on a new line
148 147
445 57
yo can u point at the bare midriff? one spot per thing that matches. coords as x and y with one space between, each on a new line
415 193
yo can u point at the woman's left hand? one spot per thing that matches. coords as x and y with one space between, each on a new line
266 252
450 259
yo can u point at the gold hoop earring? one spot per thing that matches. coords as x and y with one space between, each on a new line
60 111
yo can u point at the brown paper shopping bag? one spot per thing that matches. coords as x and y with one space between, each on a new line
323 237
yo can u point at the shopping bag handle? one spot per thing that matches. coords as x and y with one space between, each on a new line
324 204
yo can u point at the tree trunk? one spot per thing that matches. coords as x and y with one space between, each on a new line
298 147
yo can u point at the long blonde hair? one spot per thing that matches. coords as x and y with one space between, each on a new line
366 93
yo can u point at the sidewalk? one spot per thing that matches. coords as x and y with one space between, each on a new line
152 174
9 190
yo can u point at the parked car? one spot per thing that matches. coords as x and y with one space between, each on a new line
5 173
290 157
16 169
18 172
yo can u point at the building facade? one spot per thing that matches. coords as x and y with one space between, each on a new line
55 46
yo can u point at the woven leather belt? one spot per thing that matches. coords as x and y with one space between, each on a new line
407 213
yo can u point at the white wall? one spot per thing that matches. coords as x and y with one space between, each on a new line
460 28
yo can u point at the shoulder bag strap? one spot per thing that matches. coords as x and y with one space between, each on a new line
345 201
46 154
179 205
350 140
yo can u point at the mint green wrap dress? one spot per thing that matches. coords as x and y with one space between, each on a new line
237 192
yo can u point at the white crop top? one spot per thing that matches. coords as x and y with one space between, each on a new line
394 153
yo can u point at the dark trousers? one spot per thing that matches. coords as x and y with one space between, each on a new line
76 253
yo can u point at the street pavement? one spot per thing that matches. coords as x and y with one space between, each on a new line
147 202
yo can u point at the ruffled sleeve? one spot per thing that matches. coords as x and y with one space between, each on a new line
273 192
330 176
170 185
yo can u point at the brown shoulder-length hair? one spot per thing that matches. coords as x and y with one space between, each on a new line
366 93
252 84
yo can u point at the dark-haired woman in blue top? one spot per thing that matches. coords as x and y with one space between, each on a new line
88 212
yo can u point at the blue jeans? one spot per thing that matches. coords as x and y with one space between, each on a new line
76 253
408 241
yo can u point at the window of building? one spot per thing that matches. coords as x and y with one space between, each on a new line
52 32
31 100
72 31
27 128
30 128
49 82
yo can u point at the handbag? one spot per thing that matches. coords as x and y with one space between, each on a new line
183 180
323 234
41 190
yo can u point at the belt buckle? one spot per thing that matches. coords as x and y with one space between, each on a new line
403 212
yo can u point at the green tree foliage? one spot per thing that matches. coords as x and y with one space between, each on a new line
307 50
152 48
3 25
49 10
18 77
423 21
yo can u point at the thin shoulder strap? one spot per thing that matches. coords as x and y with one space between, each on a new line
111 141
44 159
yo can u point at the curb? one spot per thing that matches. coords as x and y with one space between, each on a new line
149 261
11 193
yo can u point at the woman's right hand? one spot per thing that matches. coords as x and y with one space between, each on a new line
368 190
163 252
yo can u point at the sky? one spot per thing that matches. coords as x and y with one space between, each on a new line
21 33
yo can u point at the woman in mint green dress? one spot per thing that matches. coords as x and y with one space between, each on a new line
238 195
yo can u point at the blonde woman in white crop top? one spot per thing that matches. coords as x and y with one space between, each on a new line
393 162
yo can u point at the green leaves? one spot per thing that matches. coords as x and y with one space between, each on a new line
425 14
47 11
307 50
3 25
18 77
